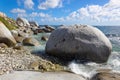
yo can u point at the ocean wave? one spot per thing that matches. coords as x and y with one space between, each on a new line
89 69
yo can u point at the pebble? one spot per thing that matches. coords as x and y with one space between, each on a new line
12 59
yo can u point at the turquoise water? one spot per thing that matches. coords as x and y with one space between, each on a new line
41 47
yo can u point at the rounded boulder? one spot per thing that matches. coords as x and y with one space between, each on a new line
6 36
81 42
29 41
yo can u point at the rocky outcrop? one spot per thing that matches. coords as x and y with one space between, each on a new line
33 24
81 42
6 36
30 41
22 22
48 28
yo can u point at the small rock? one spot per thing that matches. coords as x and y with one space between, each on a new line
18 47
3 45
44 38
19 39
30 41
34 65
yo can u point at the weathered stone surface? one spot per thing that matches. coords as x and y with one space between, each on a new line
14 33
79 41
6 36
29 75
30 41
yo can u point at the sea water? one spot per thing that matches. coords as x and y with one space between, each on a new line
89 69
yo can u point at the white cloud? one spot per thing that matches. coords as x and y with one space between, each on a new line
92 13
22 15
108 12
18 10
50 4
40 14
29 4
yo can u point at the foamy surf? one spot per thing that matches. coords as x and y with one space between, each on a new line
88 70
81 69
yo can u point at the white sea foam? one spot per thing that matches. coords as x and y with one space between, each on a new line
89 69
114 61
82 69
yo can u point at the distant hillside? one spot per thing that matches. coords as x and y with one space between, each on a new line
9 23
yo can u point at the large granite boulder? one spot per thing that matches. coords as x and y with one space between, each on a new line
30 41
22 22
82 42
6 36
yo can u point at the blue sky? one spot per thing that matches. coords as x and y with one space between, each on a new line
92 12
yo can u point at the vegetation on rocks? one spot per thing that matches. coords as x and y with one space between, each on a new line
9 23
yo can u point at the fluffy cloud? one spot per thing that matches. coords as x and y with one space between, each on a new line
91 13
50 4
107 12
96 13
18 10
41 15
28 4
